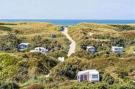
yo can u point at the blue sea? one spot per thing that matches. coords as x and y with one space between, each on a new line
70 22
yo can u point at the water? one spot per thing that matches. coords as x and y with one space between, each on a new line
70 22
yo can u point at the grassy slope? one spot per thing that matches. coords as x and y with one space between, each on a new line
105 63
30 30
108 64
100 32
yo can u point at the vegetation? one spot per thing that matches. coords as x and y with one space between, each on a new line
26 70
102 36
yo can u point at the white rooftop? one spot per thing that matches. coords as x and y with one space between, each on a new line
116 47
24 43
93 71
40 48
90 47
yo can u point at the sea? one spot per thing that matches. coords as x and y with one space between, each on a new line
68 22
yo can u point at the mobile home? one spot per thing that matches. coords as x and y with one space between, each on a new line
40 50
117 49
91 49
88 75
23 46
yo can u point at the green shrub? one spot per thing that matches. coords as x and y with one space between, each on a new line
8 65
123 74
101 86
11 85
69 72
108 79
9 42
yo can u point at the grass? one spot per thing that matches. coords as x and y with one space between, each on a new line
130 49
63 75
27 31
89 32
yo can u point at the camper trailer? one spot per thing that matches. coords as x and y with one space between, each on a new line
116 49
91 49
88 75
23 46
40 50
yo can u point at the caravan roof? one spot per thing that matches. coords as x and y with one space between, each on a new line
24 43
93 71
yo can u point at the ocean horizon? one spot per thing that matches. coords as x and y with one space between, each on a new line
67 22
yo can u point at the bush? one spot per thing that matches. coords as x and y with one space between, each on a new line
8 66
123 74
69 72
127 86
102 86
9 42
109 79
11 85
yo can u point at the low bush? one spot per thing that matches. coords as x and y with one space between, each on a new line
10 85
123 74
8 66
108 79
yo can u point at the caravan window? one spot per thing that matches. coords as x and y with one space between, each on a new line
85 77
94 76
22 46
81 78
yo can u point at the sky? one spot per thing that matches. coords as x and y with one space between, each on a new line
67 9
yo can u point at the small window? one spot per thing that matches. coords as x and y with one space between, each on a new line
81 78
36 49
21 46
94 76
85 77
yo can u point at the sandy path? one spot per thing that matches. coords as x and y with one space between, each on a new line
73 43
71 47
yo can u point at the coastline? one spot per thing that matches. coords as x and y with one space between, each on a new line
67 22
